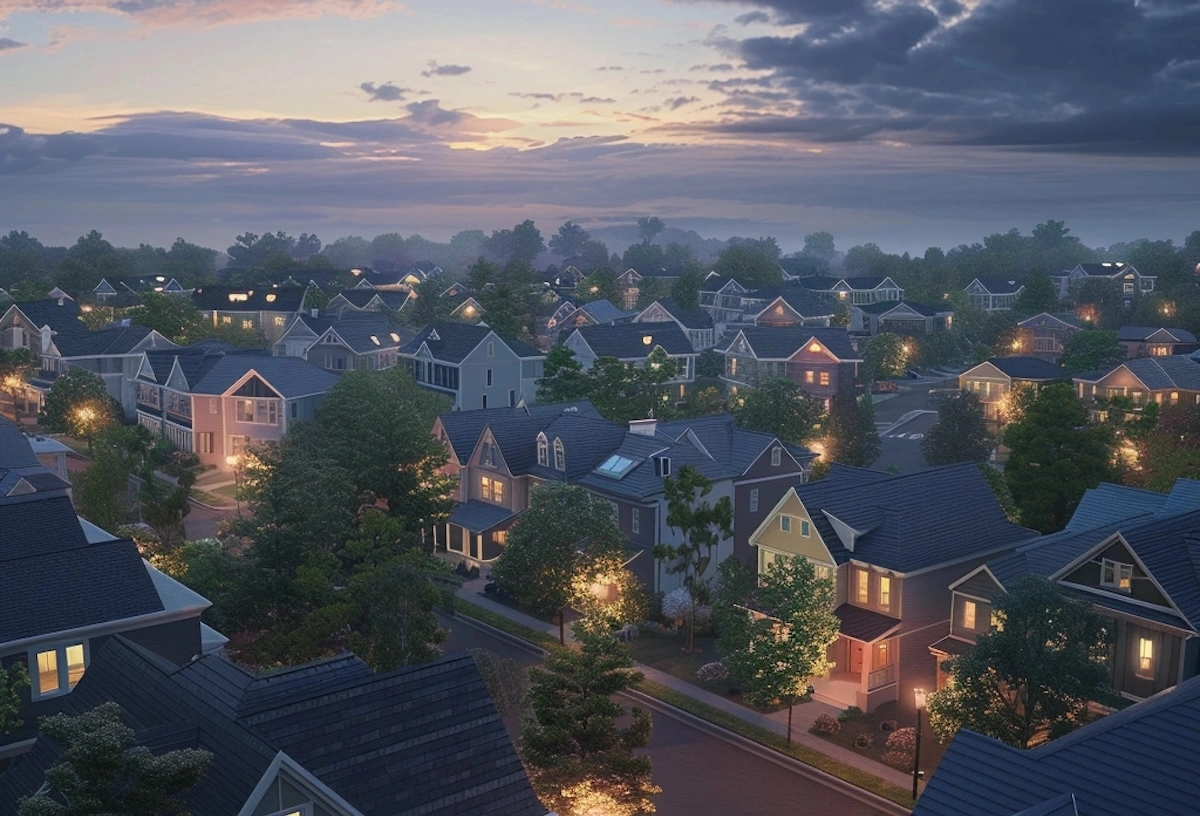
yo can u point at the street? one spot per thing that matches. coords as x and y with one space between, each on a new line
700 769
899 448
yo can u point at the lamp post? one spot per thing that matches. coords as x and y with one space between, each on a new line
235 462
919 696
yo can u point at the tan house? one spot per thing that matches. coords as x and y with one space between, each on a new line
1043 335
1155 341
994 380
1166 380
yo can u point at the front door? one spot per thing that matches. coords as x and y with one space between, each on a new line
856 657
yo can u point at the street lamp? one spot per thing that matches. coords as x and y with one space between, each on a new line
919 696
235 462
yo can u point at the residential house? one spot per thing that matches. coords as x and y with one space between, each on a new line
993 381
788 306
630 283
821 361
697 324
473 365
1132 554
359 341
268 309
891 544
1130 281
111 291
329 738
1138 760
67 586
366 300
466 308
1043 335
722 298
855 291
1166 380
564 280
217 404
23 325
993 294
1151 341
388 277
632 344
899 317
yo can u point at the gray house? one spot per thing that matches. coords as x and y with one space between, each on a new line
473 365
632 344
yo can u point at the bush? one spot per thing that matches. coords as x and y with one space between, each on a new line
903 739
851 713
712 672
864 741
654 608
898 759
826 724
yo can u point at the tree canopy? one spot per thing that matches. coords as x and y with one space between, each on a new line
960 433
850 434
781 408
1091 350
78 404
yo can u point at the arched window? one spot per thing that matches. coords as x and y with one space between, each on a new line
560 455
543 451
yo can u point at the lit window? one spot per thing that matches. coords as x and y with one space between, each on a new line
543 451
810 377
814 347
227 320
58 670
47 672
862 585
560 455
824 378
822 573
500 536
968 614
776 456
1145 657
278 320
754 500
885 592
491 489
1116 575
882 653
247 323
785 523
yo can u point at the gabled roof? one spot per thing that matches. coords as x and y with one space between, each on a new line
715 283
911 522
365 333
1139 760
1106 503
1046 317
262 298
1157 373
113 340
1135 334
994 285
61 315
1033 369
508 425
781 343
454 341
634 341
688 318
796 296
361 298
857 284
479 516
603 311
290 377
1105 269
885 306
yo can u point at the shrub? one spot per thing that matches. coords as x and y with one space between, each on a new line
902 739
864 741
712 672
851 713
826 724
898 759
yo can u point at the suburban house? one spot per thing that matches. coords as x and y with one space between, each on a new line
1123 275
789 306
899 317
1043 335
473 365
697 324
268 309
67 586
500 455
994 294
466 308
1165 380
1132 554
112 291
1138 760
366 300
593 313
891 544
358 341
216 404
722 297
993 381
632 344
855 291
564 280
822 361
630 283
329 738
1152 341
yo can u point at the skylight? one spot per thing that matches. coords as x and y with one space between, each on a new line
615 466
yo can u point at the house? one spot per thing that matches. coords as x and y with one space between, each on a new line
1043 335
329 738
473 365
697 324
722 298
891 544
994 380
67 586
466 308
630 282
821 361
1125 276
994 294
1131 554
632 344
564 280
788 306
366 300
359 341
1165 380
1151 341
899 317
854 290
1138 760
268 309
112 291
217 404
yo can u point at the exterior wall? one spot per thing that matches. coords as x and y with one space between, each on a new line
177 641
1128 675
990 385
506 387
771 483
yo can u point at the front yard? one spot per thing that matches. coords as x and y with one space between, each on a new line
868 734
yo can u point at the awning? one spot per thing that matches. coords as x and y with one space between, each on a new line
863 624
478 516
950 645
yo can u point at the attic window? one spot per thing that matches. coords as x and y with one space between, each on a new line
615 466
1116 575
560 455
270 297
814 346
647 339
374 339
395 337
238 297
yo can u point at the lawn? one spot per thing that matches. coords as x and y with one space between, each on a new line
870 727
665 653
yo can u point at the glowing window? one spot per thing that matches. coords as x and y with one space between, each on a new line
1145 657
814 346
885 591
968 614
1116 575
47 672
862 585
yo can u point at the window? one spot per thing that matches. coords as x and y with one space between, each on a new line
560 455
247 323
491 352
824 378
785 523
1128 288
885 592
489 377
491 489
214 405
1116 575
754 500
512 398
822 573
635 520
810 377
543 451
968 618
1145 666
805 528
776 456
205 440
733 366
227 320
294 410
862 583
57 670
882 654
500 536
484 402
261 412
278 321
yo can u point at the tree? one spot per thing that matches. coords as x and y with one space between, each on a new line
1054 457
699 527
819 245
396 625
749 264
12 680
1039 295
252 251
601 284
580 761
78 404
606 594
569 241
781 408
16 367
622 393
885 356
649 228
1032 674
173 317
101 491
428 304
1091 350
960 433
102 770
563 378
563 532
850 434
1170 450
774 650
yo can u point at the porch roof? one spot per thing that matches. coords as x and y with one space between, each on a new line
863 624
478 516
950 645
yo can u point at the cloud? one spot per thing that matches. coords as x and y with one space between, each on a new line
206 13
445 70
752 17
598 100
679 101
387 92
10 45
611 68
718 67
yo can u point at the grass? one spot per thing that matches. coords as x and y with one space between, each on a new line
665 653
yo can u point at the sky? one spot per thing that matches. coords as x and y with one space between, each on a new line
910 123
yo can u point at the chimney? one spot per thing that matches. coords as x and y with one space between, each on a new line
60 300
643 427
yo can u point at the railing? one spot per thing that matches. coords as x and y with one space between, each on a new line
881 677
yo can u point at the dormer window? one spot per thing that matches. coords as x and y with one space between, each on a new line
1115 575
776 456
543 451
560 455
57 670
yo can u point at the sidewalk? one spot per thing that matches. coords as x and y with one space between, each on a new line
803 715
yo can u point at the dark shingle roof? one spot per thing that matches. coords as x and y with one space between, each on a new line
602 311
859 284
999 285
864 624
1106 270
61 316
365 333
361 298
507 424
290 376
114 340
798 297
456 340
690 318
781 343
262 298
1028 368
885 306
1139 333
627 341
1157 373
479 516
1139 760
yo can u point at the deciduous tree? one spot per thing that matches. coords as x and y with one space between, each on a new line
850 434
1091 350
781 408
563 378
960 433
885 356
12 680
78 404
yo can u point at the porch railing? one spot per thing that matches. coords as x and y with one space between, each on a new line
881 677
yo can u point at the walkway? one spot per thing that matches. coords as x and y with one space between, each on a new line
802 715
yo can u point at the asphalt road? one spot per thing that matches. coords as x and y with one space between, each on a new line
898 447
703 771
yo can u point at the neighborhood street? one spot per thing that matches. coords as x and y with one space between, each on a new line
897 420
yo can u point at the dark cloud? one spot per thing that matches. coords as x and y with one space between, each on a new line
679 101
598 100
752 17
387 92
721 66
1062 75
445 70
10 45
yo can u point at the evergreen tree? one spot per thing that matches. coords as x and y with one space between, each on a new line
960 433
851 437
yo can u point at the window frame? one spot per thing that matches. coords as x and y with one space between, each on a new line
1145 661
543 450
1115 573
560 455
635 520
884 591
776 456
62 668
862 587
970 614
754 500
785 523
